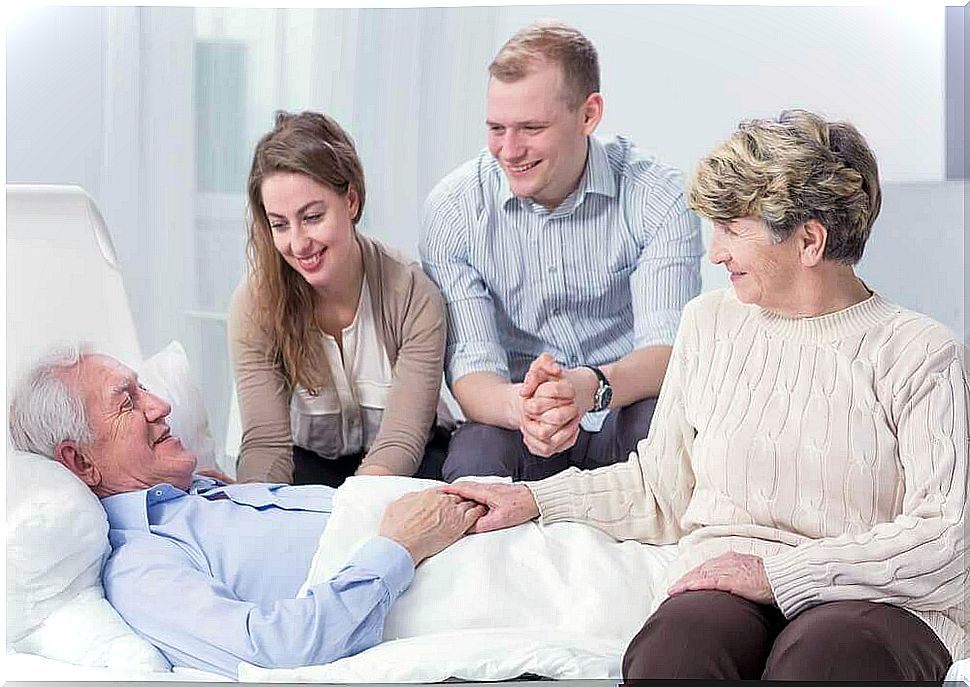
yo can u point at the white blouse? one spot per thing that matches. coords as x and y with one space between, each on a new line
344 419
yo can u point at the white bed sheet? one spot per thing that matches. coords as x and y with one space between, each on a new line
561 601
21 667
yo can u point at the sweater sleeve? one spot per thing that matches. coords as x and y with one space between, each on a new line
413 397
266 453
918 559
646 497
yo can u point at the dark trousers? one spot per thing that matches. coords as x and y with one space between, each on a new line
713 634
478 449
310 468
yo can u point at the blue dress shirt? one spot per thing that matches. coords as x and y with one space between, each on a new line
606 273
210 576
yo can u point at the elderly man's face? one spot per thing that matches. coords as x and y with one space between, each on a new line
133 447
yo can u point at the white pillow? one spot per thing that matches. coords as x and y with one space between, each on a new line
169 375
57 541
87 631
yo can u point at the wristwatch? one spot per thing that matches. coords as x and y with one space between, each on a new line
604 392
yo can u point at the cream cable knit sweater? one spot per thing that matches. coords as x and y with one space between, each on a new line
834 447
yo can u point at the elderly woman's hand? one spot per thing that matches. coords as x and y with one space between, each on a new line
740 574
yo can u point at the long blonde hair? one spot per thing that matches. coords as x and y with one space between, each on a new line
312 144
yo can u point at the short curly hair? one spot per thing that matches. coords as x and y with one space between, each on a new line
790 170
555 42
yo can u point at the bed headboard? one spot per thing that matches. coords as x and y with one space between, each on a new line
63 279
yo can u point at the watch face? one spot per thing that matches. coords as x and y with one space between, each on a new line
603 397
607 396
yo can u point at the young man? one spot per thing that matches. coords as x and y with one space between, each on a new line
564 261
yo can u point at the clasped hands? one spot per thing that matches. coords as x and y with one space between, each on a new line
552 401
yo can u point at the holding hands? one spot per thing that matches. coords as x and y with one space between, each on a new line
427 522
506 505
553 403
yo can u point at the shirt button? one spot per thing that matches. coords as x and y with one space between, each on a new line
553 270
556 311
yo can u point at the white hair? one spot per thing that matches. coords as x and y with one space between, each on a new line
46 408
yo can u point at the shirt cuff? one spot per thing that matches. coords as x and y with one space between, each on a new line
593 421
466 358
388 560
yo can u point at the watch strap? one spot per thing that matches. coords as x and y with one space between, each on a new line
604 392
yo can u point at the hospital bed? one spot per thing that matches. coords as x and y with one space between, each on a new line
64 283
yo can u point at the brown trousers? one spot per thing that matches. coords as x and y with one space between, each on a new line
713 634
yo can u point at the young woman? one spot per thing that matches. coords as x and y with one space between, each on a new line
337 343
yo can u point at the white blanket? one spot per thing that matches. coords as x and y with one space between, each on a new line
561 601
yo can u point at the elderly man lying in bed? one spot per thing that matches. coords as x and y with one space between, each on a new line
209 572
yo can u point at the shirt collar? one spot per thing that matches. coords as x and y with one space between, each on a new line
129 511
597 178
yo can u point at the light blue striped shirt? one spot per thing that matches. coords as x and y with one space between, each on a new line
604 274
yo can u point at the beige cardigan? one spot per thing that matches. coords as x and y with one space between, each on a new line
834 447
411 315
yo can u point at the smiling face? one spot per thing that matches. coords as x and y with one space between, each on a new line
311 224
762 272
540 141
132 447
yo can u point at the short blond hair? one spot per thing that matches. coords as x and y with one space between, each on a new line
555 42
790 170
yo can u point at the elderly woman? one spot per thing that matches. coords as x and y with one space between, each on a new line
809 448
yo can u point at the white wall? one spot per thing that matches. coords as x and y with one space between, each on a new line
55 96
917 252
678 78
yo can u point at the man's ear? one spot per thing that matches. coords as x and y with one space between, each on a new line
70 455
812 237
592 111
